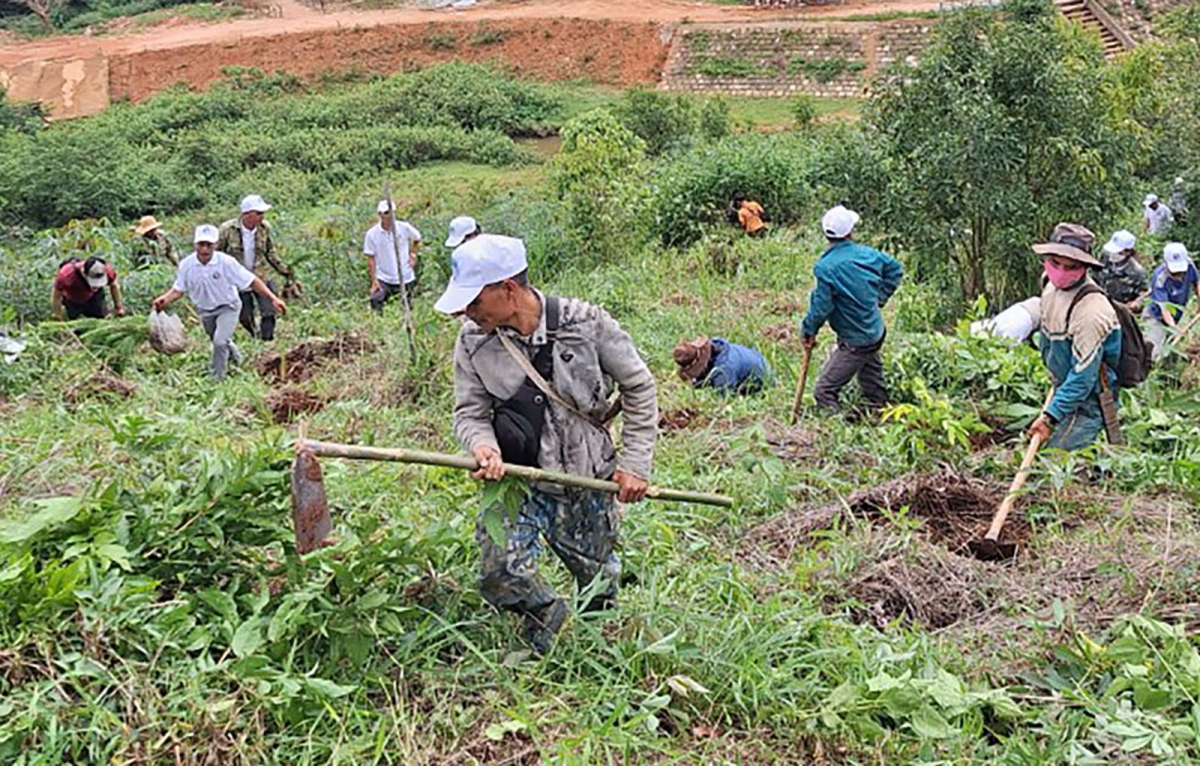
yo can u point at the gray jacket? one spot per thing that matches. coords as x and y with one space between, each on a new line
592 357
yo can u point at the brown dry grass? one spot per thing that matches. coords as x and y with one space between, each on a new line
1081 573
300 362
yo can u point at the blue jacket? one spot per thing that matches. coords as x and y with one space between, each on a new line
1073 354
853 282
735 369
1163 289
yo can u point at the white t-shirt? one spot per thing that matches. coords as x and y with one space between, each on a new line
1159 218
248 254
215 284
380 245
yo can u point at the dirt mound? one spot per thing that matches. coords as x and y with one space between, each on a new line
953 510
99 385
289 401
301 362
1080 573
785 334
794 443
679 420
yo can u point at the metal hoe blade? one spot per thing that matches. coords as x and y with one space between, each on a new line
310 508
992 550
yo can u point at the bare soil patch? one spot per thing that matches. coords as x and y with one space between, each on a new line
99 385
301 362
679 420
288 402
792 443
1132 556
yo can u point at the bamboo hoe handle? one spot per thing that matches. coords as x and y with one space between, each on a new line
330 449
800 386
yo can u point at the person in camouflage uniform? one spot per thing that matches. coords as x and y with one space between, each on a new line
248 239
581 355
151 245
1122 277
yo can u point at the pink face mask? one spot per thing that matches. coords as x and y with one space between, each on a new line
1064 279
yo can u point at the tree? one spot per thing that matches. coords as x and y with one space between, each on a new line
1004 128
44 10
597 176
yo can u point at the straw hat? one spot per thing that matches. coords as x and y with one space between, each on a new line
693 357
145 225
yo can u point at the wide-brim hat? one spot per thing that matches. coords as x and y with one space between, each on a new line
145 225
693 357
1072 241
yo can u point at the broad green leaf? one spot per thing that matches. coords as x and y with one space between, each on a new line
929 724
51 512
499 730
326 688
1149 698
493 522
947 690
247 638
843 695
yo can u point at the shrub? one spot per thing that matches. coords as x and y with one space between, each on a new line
726 66
659 119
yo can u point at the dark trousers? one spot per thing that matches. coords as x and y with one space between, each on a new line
848 362
93 307
249 300
386 291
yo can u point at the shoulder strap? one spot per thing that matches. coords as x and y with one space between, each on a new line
1087 289
530 370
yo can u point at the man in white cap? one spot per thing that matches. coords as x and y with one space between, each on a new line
1156 217
214 281
387 270
1173 283
1123 278
78 289
533 376
1080 340
151 245
853 282
247 239
462 229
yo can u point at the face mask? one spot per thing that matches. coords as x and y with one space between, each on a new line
1064 279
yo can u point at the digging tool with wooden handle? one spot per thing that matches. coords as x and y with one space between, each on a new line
800 386
990 548
310 510
408 323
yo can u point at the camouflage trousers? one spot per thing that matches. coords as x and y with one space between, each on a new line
580 527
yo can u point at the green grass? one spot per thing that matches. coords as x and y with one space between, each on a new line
777 112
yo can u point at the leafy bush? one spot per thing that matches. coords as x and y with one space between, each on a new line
659 119
596 176
726 66
181 150
691 191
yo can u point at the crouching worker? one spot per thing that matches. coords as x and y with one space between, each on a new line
78 289
718 364
214 281
532 379
1080 340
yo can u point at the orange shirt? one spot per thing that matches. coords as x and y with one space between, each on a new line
750 216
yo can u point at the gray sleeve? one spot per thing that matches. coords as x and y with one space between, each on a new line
639 401
472 403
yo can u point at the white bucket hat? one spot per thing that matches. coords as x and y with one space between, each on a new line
254 204
838 222
1150 199
485 260
460 228
383 207
97 275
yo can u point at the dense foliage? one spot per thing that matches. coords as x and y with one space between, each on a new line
183 150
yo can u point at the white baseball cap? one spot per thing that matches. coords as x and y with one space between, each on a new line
1176 256
1119 242
254 204
1149 199
485 260
97 274
460 228
383 207
838 222
206 232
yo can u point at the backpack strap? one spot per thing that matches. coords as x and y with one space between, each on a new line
1089 288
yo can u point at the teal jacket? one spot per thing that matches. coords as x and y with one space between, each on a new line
853 282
